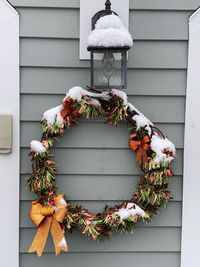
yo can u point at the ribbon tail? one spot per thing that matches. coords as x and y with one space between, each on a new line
139 154
58 237
41 236
144 156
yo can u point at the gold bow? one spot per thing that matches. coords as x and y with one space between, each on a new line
45 219
142 146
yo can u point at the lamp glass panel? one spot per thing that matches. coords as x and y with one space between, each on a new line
108 69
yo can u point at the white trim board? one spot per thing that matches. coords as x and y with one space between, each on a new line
9 164
190 252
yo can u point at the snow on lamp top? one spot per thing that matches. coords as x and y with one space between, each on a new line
110 32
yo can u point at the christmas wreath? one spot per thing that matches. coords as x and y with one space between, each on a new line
51 211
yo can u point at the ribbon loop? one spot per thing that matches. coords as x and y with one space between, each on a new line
48 223
68 109
35 214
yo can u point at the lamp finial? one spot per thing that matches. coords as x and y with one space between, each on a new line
108 5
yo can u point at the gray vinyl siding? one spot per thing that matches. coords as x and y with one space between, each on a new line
95 165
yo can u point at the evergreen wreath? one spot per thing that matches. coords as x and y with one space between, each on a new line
154 156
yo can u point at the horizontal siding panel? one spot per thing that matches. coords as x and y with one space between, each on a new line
134 4
91 135
156 25
101 187
165 239
58 23
65 53
64 23
168 5
168 217
46 3
140 81
157 109
96 161
51 52
139 259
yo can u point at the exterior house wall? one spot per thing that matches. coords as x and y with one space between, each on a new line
95 165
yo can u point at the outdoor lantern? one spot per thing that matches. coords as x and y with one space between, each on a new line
108 44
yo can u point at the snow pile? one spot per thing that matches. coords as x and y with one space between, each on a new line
110 32
77 92
109 21
63 202
53 115
133 108
121 95
62 243
158 145
140 119
37 147
95 102
130 210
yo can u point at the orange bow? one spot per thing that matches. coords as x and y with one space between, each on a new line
68 110
46 218
142 146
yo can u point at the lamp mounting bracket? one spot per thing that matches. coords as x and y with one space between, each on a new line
102 13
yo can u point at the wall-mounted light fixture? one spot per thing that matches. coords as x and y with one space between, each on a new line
108 44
